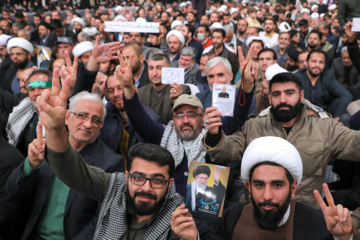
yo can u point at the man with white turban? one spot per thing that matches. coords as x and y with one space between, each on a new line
175 39
271 170
318 140
20 51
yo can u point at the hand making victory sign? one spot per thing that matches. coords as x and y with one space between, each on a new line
52 109
337 218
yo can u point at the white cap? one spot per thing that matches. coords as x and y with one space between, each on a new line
243 3
79 20
176 33
21 43
176 23
216 25
3 39
272 149
284 27
332 7
253 38
141 20
314 15
272 70
233 10
268 3
188 3
118 8
305 10
221 10
224 7
82 48
322 15
119 18
91 31
256 8
182 4
314 6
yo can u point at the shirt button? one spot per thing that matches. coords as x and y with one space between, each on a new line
186 174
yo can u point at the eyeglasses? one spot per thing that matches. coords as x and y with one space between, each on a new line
141 180
188 115
95 121
17 54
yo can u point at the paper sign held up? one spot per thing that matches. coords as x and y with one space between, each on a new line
171 75
149 27
356 25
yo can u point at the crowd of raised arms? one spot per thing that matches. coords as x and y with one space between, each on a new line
98 142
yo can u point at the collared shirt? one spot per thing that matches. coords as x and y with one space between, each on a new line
138 81
270 41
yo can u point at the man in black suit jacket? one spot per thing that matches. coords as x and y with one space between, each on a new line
223 94
59 211
47 37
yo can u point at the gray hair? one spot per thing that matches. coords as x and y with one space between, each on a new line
189 51
216 61
84 37
228 28
84 95
26 33
344 49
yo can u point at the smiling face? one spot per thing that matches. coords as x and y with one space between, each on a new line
188 128
146 199
83 131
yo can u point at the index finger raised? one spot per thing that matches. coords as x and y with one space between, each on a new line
121 60
328 195
39 131
55 88
67 58
241 55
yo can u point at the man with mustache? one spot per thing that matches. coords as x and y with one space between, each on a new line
272 170
317 139
59 212
135 205
320 86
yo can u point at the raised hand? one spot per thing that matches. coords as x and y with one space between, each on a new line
251 69
350 34
99 85
337 218
105 52
124 75
69 70
175 91
36 148
183 224
52 109
212 120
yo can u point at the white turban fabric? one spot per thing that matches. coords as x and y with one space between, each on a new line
313 7
176 33
119 17
91 31
3 39
182 5
233 10
272 70
21 43
305 10
272 149
82 48
314 15
284 27
176 23
332 7
141 20
253 38
216 25
79 20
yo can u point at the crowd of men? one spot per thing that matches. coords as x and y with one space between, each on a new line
96 146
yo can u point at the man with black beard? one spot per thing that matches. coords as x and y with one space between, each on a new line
47 37
321 87
318 140
20 52
271 169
